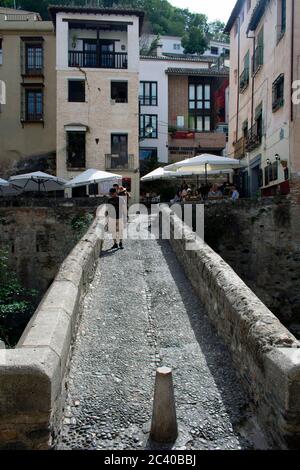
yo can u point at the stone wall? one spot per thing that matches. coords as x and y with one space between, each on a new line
39 234
32 376
260 240
265 354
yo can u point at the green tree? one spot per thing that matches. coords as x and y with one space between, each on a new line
216 31
16 303
194 41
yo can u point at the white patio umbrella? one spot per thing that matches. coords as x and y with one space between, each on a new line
7 189
161 173
204 163
158 174
37 181
4 183
92 176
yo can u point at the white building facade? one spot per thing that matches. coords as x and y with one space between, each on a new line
97 71
154 80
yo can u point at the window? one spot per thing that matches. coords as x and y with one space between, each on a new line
259 121
199 96
244 78
76 91
76 149
271 173
278 93
236 27
214 50
93 189
267 175
200 123
226 52
119 151
148 153
33 58
258 58
245 129
281 15
119 92
33 104
1 52
176 47
180 122
148 93
147 121
242 17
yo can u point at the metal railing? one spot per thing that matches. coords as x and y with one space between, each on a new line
254 137
104 60
240 148
119 162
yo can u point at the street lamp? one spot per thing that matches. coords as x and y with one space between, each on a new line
149 129
268 161
277 157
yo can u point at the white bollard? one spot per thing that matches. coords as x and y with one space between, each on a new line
164 421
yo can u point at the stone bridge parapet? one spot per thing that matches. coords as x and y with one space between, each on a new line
266 355
32 376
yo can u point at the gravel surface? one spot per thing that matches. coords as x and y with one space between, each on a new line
140 312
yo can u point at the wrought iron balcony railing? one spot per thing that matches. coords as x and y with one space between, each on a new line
240 148
105 60
254 138
119 162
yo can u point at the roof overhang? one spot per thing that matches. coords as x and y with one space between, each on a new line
54 10
223 73
234 14
257 14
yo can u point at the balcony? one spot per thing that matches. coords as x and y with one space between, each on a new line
240 148
254 138
244 80
258 59
105 60
119 162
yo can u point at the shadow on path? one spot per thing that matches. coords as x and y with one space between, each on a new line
217 355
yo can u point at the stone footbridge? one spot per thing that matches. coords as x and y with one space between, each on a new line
82 376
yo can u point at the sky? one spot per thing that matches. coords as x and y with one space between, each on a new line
214 9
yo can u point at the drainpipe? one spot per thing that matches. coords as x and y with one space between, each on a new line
292 56
238 80
253 78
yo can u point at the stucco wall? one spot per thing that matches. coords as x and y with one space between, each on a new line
32 140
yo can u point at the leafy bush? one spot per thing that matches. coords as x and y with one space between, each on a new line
17 304
80 224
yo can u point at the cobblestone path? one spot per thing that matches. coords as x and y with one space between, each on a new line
140 312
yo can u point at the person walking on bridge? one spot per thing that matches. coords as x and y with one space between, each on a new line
116 218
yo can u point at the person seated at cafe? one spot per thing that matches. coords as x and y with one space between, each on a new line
235 195
177 197
215 192
189 195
